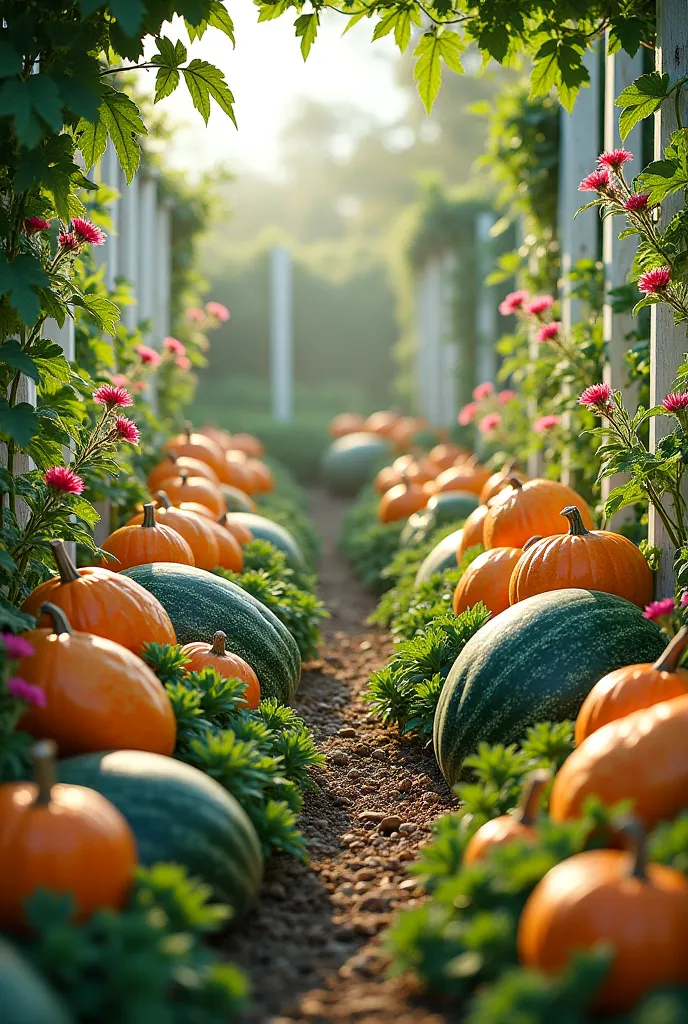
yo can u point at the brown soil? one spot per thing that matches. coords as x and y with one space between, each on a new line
313 949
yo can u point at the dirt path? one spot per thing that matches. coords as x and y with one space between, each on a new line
312 949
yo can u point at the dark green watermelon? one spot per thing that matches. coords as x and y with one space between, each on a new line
442 556
264 528
441 510
352 461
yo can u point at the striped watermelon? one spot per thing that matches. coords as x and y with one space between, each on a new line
536 662
351 461
179 815
442 556
441 510
25 997
263 528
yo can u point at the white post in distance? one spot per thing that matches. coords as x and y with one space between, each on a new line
486 317
128 255
281 330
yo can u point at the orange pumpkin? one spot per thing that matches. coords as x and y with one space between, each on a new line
238 530
221 437
633 688
346 423
382 422
520 511
238 474
386 478
641 757
172 464
264 481
613 898
472 533
487 579
248 444
200 446
509 827
99 601
444 456
403 431
147 542
466 476
64 839
591 560
401 501
184 488
229 665
419 473
229 553
195 530
498 481
99 695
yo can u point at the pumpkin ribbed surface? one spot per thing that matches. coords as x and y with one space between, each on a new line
487 579
520 512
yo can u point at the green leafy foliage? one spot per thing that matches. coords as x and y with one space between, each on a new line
368 544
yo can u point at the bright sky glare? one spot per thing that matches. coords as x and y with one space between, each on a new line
268 76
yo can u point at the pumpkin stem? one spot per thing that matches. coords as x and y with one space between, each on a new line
43 754
218 648
58 618
576 525
636 840
65 565
162 499
528 804
183 475
149 515
515 483
670 660
508 468
188 428
531 541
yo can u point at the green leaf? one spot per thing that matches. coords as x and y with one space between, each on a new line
12 354
268 12
626 34
129 15
647 300
85 511
19 422
306 26
122 118
166 81
10 60
451 47
18 280
50 165
92 138
433 48
652 85
170 57
205 81
220 19
7 563
104 311
13 620
544 76
32 104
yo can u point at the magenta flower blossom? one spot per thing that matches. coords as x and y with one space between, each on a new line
597 397
677 400
217 310
638 201
490 422
183 362
195 315
654 281
62 478
614 158
483 390
68 241
684 599
658 609
545 423
467 413
85 231
22 690
112 396
540 304
16 647
549 331
512 302
118 380
505 396
126 430
32 225
148 355
596 181
174 345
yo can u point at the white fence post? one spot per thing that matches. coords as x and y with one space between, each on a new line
281 359
667 341
128 255
486 317
147 235
448 354
163 264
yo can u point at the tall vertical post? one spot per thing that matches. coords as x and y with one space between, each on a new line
667 340
147 237
128 255
281 334
621 69
448 356
110 176
163 264
486 310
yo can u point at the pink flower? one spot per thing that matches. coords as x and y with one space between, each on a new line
119 380
539 304
22 690
112 396
677 400
467 413
545 423
596 181
512 302
68 241
173 345
490 422
597 397
549 331
148 355
505 396
126 430
614 158
85 231
196 316
483 390
183 362
217 310
638 201
654 281
658 609
139 385
62 478
32 225
684 599
16 646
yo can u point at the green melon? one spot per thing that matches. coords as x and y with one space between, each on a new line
25 997
266 529
352 461
178 815
536 662
199 603
442 556
441 510
236 500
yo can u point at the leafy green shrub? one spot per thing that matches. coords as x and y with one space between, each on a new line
367 543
